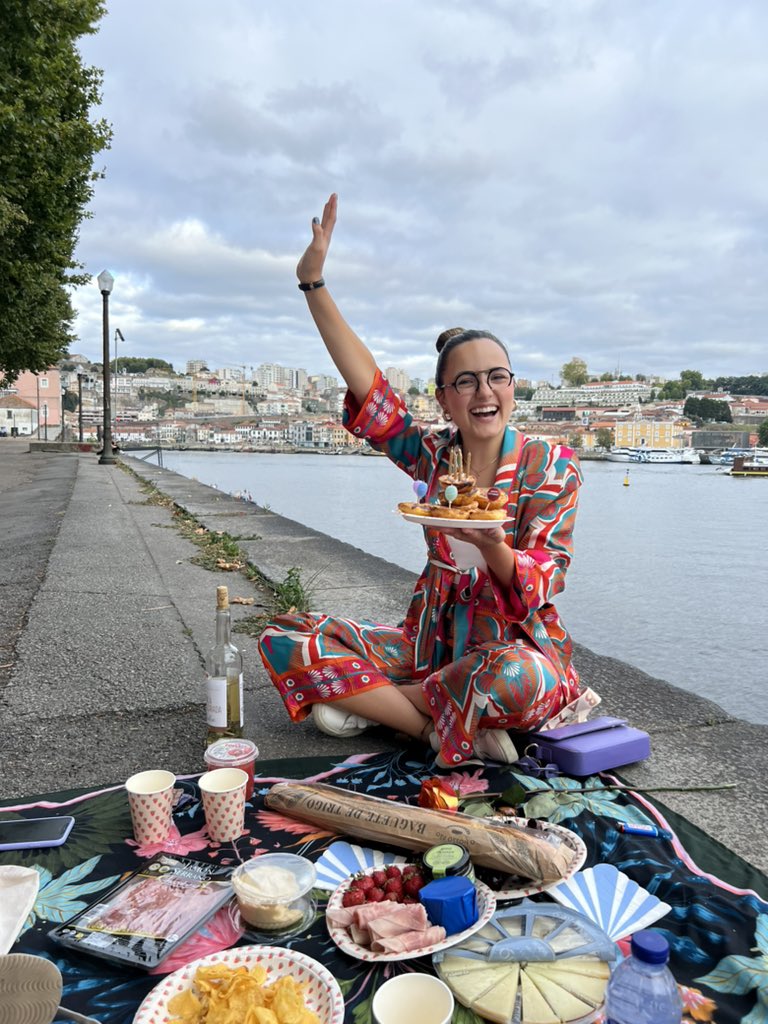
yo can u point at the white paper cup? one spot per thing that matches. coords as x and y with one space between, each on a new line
413 999
150 795
223 792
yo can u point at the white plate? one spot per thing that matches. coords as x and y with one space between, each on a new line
462 524
575 846
486 904
322 994
343 859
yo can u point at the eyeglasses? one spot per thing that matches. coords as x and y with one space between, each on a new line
468 383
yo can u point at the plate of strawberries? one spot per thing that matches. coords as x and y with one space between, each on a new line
376 914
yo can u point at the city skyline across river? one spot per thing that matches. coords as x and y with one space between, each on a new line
666 573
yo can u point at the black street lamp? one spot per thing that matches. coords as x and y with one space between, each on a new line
80 403
106 281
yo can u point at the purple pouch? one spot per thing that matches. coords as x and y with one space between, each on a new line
594 746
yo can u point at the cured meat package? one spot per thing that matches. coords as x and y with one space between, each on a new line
153 910
504 847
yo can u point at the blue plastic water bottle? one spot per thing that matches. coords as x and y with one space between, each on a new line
642 989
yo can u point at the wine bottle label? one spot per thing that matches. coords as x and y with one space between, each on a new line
216 702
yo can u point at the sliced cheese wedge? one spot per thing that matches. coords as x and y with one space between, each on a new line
468 987
589 966
590 990
566 1005
535 1009
498 1002
451 966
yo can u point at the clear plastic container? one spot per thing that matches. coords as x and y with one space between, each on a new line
234 753
274 895
642 989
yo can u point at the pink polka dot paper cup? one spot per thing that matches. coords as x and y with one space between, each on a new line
223 792
150 795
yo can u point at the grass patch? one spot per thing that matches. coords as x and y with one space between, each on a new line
220 552
292 595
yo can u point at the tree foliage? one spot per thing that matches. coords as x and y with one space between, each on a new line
47 145
707 409
135 364
762 433
604 437
743 385
574 372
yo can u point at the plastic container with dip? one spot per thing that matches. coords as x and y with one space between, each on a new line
274 895
448 859
234 753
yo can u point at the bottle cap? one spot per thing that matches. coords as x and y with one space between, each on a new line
650 947
230 753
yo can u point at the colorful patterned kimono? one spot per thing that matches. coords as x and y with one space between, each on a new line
487 656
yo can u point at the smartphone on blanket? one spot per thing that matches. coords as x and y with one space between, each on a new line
32 833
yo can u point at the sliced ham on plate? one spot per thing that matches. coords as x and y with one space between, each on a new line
409 941
411 917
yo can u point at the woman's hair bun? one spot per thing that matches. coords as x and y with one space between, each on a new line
443 338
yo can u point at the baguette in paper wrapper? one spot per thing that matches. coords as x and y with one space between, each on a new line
507 848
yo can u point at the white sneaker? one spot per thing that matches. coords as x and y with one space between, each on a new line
335 722
495 745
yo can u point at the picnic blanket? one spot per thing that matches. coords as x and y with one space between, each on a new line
717 927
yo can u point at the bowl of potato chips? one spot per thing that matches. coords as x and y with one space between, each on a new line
262 984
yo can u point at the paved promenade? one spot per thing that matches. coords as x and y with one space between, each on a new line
105 620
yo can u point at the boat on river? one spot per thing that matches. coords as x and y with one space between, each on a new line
755 456
743 467
645 454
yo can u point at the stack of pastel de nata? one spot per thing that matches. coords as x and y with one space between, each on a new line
459 496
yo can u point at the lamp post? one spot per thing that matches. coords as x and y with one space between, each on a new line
106 281
118 334
80 403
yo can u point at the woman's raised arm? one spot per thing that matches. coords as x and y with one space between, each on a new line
353 360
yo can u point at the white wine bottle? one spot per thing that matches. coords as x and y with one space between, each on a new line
224 687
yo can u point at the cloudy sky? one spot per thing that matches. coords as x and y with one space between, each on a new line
582 177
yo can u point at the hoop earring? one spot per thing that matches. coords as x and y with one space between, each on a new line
447 416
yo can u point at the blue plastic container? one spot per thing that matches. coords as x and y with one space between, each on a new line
642 989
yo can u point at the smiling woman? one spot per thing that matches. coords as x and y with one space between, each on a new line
482 650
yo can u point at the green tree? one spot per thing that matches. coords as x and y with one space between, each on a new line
708 408
604 437
574 441
47 145
762 433
135 364
743 385
692 408
606 376
692 380
413 391
574 372
69 401
672 389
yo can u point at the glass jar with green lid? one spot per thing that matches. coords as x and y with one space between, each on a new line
448 859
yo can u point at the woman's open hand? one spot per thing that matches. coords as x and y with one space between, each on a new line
483 539
310 266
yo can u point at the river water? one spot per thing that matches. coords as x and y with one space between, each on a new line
669 574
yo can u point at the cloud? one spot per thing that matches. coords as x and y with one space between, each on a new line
582 179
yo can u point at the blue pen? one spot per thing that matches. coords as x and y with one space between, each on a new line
643 830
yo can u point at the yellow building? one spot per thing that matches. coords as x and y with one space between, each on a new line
652 433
